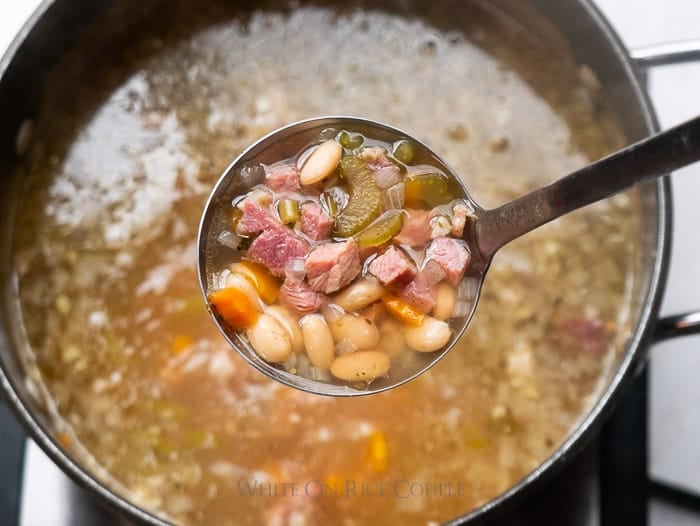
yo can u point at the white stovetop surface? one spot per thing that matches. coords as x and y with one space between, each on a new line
675 391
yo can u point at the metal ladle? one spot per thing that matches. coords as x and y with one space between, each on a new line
489 231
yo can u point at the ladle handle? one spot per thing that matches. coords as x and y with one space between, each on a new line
639 163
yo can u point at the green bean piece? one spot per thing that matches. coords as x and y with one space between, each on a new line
403 151
381 230
350 141
288 210
364 197
427 191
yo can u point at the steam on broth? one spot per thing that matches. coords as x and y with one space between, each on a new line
144 387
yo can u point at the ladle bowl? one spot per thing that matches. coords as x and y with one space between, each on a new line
485 234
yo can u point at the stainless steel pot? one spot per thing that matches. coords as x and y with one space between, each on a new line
573 28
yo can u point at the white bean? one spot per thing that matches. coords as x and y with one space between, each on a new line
321 163
445 300
361 366
245 286
290 322
359 294
318 340
269 339
429 336
391 339
354 333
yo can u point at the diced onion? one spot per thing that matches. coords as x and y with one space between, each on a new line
387 176
345 346
462 309
294 269
394 196
303 365
319 375
251 174
290 363
334 200
440 226
468 289
229 239
221 279
304 156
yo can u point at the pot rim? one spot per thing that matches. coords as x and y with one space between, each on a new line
634 356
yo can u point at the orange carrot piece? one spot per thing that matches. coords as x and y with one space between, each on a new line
235 307
402 311
378 452
264 282
180 343
64 439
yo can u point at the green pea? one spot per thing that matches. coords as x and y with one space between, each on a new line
350 141
403 151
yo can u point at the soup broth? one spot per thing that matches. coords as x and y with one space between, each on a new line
144 388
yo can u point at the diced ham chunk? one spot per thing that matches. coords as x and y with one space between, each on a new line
315 222
282 177
393 268
298 296
416 228
433 272
420 293
588 333
275 247
331 266
452 255
459 218
255 218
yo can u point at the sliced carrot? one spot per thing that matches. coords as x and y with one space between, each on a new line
402 311
64 439
378 452
235 307
264 282
180 343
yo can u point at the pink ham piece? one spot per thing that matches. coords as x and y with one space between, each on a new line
331 266
393 268
420 293
589 333
275 247
282 178
452 255
298 296
315 222
416 228
255 218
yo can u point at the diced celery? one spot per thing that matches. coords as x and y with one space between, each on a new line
364 201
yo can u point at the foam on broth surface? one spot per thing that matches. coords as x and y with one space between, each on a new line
142 380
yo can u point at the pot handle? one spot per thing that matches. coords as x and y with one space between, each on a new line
669 54
678 325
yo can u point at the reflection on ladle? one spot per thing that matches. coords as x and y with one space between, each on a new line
485 232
